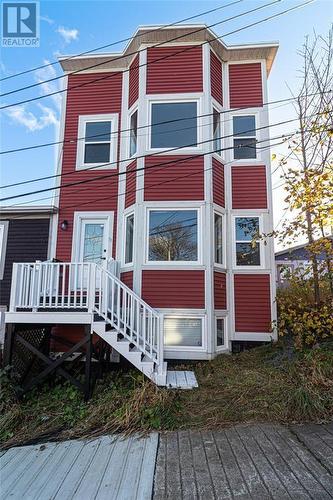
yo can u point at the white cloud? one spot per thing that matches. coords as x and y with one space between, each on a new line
21 116
47 19
46 73
68 34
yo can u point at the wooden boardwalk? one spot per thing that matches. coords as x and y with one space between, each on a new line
246 462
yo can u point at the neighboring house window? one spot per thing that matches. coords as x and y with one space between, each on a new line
220 335
244 137
182 332
3 245
284 272
133 133
173 124
216 131
218 238
247 244
99 141
129 239
173 235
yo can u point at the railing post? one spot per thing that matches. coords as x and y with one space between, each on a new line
14 288
91 287
160 343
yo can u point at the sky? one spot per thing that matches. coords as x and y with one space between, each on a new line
69 27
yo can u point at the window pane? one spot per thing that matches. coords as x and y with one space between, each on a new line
247 228
244 126
247 254
216 131
218 239
129 239
98 131
97 153
93 243
176 133
242 151
183 332
220 332
133 133
173 235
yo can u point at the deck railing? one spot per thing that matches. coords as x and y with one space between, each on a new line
62 286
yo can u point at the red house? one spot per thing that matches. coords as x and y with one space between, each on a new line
164 187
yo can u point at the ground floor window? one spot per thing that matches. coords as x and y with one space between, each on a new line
220 332
182 332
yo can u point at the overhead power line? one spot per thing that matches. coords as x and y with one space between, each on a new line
117 42
123 56
190 47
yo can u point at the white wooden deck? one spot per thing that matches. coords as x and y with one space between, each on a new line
181 380
110 467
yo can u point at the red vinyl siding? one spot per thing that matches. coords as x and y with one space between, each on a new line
220 291
249 187
183 180
99 97
252 302
216 77
127 278
177 72
245 85
133 90
178 289
218 182
130 195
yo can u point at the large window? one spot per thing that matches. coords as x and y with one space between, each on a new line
218 238
129 239
182 332
173 124
244 137
133 133
98 141
216 131
247 244
173 235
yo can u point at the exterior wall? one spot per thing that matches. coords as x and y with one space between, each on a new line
249 189
133 87
174 289
218 182
216 78
101 194
27 241
220 290
127 278
245 84
170 70
252 303
130 194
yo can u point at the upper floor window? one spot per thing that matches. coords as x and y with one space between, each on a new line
173 235
218 238
247 243
98 142
216 131
173 124
244 132
133 133
129 238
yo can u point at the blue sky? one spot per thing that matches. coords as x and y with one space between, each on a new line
75 26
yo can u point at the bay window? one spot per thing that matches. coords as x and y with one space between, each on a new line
129 238
246 241
216 131
173 235
220 333
244 137
218 238
133 132
173 124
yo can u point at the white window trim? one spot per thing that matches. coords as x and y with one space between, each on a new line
130 114
173 100
257 135
173 263
3 247
224 233
201 348
123 263
225 344
261 246
83 119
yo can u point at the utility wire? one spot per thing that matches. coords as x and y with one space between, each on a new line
190 47
131 38
113 59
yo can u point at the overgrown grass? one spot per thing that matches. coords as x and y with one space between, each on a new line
273 384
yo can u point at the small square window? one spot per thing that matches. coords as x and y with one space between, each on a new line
244 132
220 332
174 124
247 244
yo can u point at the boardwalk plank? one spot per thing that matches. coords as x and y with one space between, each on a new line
216 469
145 486
203 479
160 469
189 489
173 480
